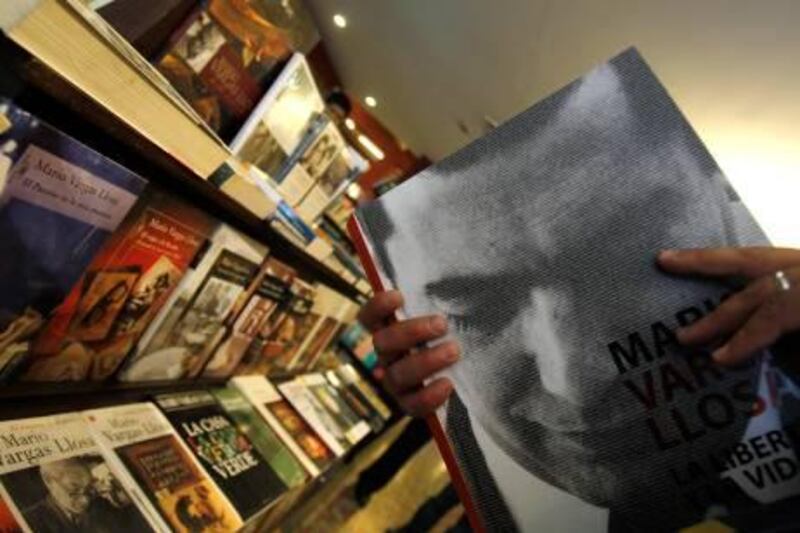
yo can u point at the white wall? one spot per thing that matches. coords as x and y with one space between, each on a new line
733 66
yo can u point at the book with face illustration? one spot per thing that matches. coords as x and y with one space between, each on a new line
202 311
163 474
574 406
59 202
53 477
124 287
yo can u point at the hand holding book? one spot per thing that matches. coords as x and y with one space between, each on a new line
407 367
753 318
750 320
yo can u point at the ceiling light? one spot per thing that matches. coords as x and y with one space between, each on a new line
370 101
371 147
350 123
339 20
354 190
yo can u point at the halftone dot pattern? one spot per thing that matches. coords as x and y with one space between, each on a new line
538 241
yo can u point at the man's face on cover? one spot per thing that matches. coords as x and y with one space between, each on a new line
536 280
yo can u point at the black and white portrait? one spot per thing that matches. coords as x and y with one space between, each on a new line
75 494
574 407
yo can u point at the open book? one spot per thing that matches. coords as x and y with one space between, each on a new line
574 407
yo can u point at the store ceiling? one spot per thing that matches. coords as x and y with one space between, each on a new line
440 68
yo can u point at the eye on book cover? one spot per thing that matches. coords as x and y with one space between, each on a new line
574 406
227 454
122 290
59 202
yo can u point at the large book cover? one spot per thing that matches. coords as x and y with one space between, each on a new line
228 456
130 278
221 60
59 202
295 433
256 320
53 477
574 407
141 443
298 393
264 438
184 336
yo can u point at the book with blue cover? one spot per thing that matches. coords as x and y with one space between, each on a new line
59 201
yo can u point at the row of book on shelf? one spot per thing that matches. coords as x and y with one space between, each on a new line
113 277
241 68
193 461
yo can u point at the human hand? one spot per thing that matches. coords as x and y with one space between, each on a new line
407 366
753 318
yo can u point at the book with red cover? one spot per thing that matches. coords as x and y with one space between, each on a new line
222 59
574 407
122 290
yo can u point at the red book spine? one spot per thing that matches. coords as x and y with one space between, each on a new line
439 435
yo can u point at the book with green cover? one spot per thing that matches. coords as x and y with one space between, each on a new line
263 438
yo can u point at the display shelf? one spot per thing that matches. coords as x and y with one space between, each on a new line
44 93
24 399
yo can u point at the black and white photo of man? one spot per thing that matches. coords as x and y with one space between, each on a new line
530 259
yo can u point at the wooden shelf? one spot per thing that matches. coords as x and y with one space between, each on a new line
20 400
44 93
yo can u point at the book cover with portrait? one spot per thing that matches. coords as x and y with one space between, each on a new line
130 278
182 337
277 295
257 318
306 404
59 202
264 438
53 477
221 60
574 407
226 453
142 445
296 434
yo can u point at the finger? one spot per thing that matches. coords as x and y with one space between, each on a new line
411 371
380 309
745 262
428 399
396 339
730 314
777 316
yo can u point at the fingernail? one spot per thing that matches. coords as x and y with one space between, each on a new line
438 325
452 353
720 354
667 255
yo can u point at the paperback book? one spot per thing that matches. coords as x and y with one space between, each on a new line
140 444
263 347
352 378
59 202
277 126
256 320
355 400
221 60
228 456
315 414
124 287
574 406
183 337
328 312
295 433
53 478
264 438
352 425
